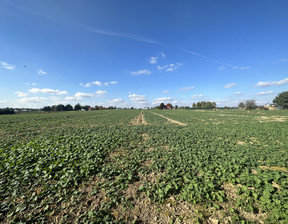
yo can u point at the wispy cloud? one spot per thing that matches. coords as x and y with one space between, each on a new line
98 83
130 36
272 83
238 93
153 60
33 99
99 93
185 89
165 91
80 96
141 72
169 67
196 96
138 98
21 94
41 72
151 41
6 65
230 85
117 100
264 93
241 67
162 100
47 91
163 55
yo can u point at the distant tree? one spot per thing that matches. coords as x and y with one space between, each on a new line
176 107
161 106
54 108
60 107
250 104
77 107
47 108
194 105
241 105
86 107
281 100
68 107
7 111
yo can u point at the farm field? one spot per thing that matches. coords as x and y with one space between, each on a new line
144 166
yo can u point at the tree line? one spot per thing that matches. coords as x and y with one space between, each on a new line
77 107
7 111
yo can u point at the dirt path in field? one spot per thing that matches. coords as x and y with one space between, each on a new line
139 120
171 120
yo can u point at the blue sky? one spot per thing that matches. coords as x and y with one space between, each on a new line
140 53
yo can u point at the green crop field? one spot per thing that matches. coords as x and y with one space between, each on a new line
134 166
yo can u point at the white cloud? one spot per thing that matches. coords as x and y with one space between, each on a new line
163 55
169 67
244 67
185 89
163 100
98 83
264 93
41 72
272 83
33 84
21 94
7 66
118 100
238 93
47 91
86 85
165 91
100 93
138 98
229 85
80 95
197 96
153 60
32 99
241 67
141 72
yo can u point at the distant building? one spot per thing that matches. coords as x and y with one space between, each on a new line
167 107
270 107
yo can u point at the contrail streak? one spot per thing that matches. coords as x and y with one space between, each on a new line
150 41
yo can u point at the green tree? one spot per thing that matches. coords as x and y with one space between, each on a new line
77 107
47 108
250 104
241 105
60 107
161 106
68 107
281 100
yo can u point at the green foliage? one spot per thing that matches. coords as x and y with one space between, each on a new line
7 111
47 158
281 100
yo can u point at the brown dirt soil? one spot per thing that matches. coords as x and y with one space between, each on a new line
171 120
274 168
139 120
272 118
